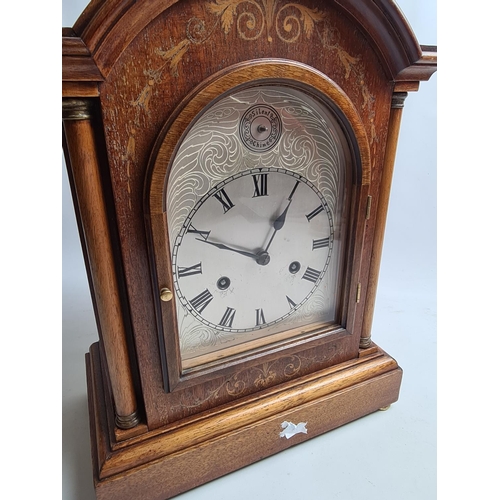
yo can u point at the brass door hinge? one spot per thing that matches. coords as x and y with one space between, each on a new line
358 293
368 207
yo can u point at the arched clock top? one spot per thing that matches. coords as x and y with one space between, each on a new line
107 27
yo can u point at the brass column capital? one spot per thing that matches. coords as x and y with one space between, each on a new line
76 109
398 99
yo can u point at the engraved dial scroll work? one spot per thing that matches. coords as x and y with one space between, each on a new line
254 208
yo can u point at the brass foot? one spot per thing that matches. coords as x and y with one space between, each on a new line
385 408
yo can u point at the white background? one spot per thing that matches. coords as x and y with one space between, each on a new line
385 456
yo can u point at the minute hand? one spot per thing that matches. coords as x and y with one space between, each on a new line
225 247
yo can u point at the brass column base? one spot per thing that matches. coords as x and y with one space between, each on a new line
127 421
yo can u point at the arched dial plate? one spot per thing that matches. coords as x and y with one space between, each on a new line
254 204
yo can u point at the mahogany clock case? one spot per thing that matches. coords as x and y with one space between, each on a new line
416 96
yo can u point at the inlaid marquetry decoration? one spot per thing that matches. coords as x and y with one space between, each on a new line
244 382
253 19
273 20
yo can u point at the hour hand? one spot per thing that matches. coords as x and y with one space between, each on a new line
225 247
280 221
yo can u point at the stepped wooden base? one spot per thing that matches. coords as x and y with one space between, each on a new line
159 464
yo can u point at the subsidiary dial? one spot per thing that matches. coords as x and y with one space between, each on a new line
260 128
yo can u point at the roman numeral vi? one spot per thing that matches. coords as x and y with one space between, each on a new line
259 317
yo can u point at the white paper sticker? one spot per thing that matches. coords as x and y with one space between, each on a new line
290 429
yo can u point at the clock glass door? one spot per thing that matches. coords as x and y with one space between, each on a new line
256 203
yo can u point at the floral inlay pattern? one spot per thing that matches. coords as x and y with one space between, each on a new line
276 20
252 19
241 382
264 14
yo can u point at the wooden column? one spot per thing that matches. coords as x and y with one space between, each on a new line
81 146
398 99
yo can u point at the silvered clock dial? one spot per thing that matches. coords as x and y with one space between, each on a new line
255 209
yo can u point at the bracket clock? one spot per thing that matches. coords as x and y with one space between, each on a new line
230 164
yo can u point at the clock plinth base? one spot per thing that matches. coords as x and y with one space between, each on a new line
159 464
